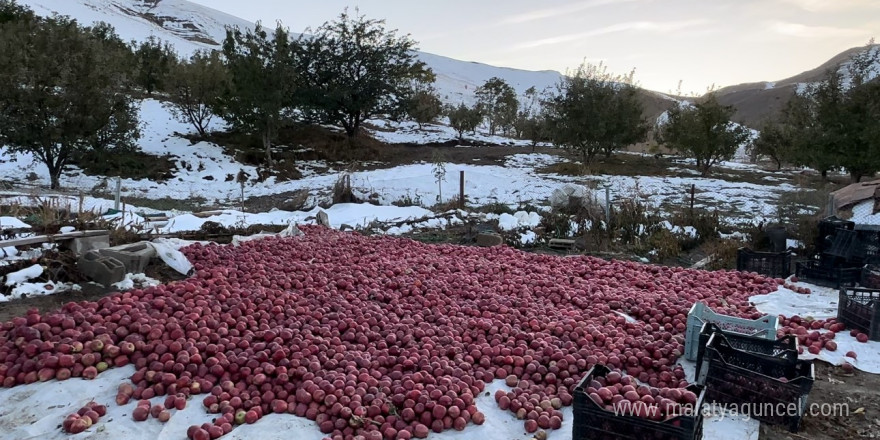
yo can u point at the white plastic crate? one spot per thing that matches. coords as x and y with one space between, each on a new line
764 327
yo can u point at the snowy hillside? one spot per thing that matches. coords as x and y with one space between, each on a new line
189 27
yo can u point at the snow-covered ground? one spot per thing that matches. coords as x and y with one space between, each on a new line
204 170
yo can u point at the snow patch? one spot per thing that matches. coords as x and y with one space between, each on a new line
24 275
12 223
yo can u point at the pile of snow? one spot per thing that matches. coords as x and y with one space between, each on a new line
528 237
12 223
688 231
24 275
520 219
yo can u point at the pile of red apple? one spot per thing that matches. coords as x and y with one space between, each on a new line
376 338
83 419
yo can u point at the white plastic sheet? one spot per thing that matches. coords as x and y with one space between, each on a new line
169 252
35 411
821 304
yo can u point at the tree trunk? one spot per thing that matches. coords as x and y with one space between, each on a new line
54 175
855 176
825 174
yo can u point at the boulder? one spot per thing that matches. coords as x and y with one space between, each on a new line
323 219
489 240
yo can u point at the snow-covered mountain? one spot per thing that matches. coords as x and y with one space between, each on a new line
189 26
757 102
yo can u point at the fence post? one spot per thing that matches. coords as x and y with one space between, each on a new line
608 207
693 192
242 196
118 190
461 190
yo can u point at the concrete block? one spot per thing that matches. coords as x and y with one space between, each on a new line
100 269
135 257
81 245
489 240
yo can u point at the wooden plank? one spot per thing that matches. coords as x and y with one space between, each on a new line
51 238
561 243
207 214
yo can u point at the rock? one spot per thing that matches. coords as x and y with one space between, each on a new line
489 240
297 201
291 231
345 227
323 219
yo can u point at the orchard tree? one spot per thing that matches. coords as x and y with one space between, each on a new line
196 86
530 122
261 81
353 69
11 11
424 106
704 132
498 102
593 112
463 119
63 91
776 141
155 59
835 124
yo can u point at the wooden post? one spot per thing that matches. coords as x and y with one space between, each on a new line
461 190
693 192
118 190
242 196
608 207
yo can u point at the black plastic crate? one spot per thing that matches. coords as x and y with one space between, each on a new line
772 390
844 244
593 422
785 347
870 277
771 264
859 308
868 247
828 227
822 275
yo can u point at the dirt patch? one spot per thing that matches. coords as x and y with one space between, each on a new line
127 164
861 395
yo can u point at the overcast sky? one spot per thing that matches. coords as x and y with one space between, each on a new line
700 42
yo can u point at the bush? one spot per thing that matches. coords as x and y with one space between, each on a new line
662 244
722 254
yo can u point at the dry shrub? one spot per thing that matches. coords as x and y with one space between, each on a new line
722 254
